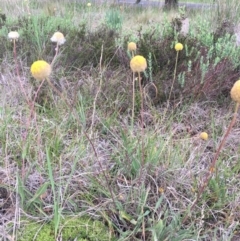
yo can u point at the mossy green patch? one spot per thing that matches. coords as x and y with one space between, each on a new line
77 228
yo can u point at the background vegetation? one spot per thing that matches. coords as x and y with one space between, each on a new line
74 166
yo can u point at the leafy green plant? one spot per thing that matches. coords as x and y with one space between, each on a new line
113 19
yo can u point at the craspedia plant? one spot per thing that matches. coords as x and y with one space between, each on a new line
138 64
235 92
41 70
178 47
132 46
204 136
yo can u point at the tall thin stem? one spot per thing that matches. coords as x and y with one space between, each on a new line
174 77
133 94
97 94
133 100
56 53
142 117
28 124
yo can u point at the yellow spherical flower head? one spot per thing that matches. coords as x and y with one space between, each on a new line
204 136
235 91
41 69
58 38
89 4
132 46
138 63
178 47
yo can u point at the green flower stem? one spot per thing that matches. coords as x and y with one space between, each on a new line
132 54
213 163
98 92
142 119
133 100
55 56
133 95
28 124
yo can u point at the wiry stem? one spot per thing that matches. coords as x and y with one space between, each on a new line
174 77
98 91
133 95
28 123
142 117
55 56
133 100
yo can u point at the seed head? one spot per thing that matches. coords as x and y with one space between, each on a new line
138 63
13 35
41 69
58 38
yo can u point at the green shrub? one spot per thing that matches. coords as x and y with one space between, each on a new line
113 19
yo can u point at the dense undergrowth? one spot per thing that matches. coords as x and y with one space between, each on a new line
73 154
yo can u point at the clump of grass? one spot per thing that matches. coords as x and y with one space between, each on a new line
113 19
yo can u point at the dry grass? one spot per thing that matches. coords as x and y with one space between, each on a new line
59 161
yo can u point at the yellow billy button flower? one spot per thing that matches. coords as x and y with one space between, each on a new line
58 38
89 4
13 35
204 136
235 92
161 190
41 69
138 63
178 47
132 46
